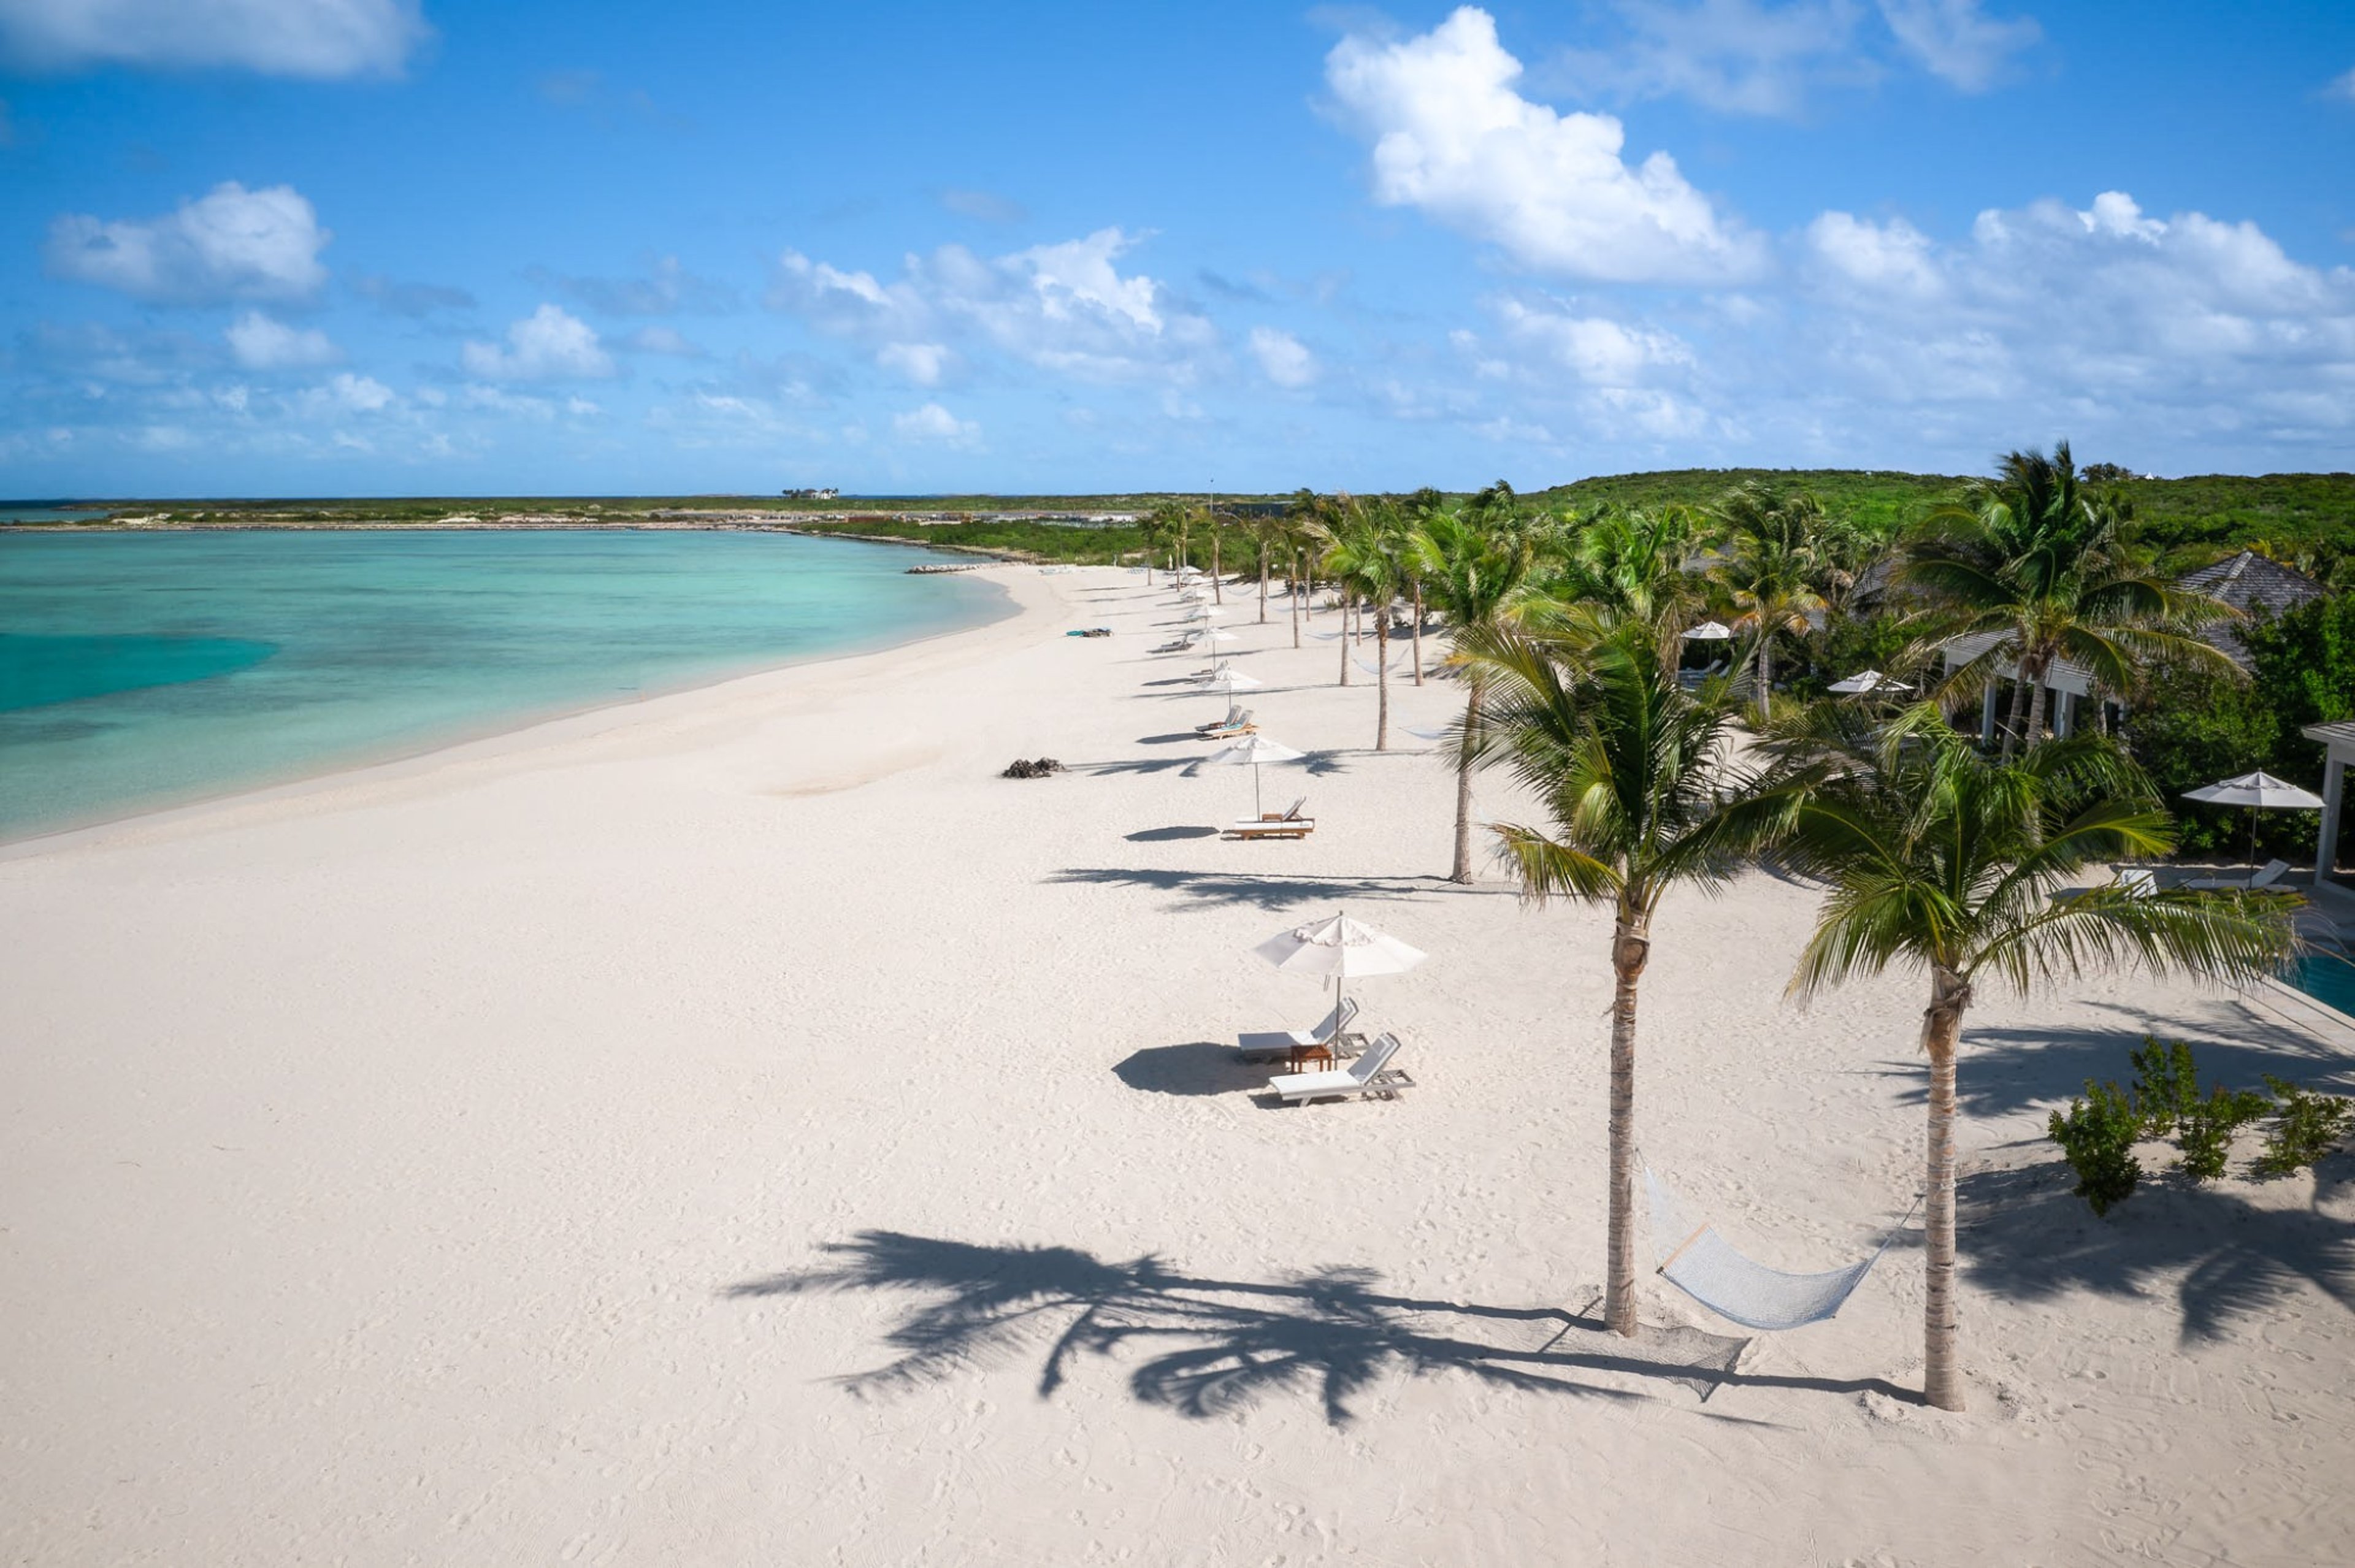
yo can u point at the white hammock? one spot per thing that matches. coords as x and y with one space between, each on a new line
1704 1265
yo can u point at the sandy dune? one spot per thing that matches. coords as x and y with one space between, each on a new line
741 1128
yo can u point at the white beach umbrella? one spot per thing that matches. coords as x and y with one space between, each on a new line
1205 613
1255 750
1214 634
1339 947
2259 792
1227 678
1870 681
1708 632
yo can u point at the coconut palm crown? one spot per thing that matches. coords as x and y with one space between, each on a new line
1936 857
1634 778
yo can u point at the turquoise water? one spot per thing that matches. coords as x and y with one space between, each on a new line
139 670
2326 976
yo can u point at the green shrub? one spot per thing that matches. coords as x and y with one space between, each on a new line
2165 1086
2097 1137
2204 1131
2306 1125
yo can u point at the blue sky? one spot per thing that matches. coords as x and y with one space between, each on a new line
318 247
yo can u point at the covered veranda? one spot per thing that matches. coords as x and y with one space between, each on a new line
2338 742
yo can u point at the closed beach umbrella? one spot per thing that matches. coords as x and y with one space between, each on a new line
1339 947
1255 750
2259 792
1871 680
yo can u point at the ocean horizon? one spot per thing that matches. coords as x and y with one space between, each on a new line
142 671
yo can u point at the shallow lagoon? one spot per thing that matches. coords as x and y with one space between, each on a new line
140 670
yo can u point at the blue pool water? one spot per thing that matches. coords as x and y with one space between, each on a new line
2327 977
138 670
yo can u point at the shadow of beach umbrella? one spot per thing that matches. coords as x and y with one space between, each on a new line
1864 684
2259 791
1254 750
1339 948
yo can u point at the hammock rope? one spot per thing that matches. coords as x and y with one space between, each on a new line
1705 1266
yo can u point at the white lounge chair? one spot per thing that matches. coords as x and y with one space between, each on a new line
1359 1077
1290 824
1280 1041
2134 882
2264 876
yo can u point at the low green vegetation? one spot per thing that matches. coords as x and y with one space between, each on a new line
2098 1133
2097 1137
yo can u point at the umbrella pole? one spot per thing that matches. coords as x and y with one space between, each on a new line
1257 809
2253 836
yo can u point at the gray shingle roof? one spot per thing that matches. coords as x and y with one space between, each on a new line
2255 586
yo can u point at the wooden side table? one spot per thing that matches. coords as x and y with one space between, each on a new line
1302 1055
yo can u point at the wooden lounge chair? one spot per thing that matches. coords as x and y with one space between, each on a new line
1280 1042
1369 1074
1234 716
1240 724
1277 824
2263 877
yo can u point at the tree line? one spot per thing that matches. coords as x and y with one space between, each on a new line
1586 643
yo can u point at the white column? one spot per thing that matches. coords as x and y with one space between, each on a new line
2334 786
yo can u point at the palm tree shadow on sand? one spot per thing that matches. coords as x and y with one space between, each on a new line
1211 1347
2225 1258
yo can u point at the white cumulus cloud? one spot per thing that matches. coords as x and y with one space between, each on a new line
1738 56
317 38
548 345
2342 88
1894 257
921 363
1067 307
1453 138
230 244
1601 352
1958 42
263 343
1283 358
934 424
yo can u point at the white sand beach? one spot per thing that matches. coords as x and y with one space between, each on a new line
436 1165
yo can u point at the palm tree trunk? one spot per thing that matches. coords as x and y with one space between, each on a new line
1631 948
1766 670
2034 736
1418 633
1218 591
1344 642
2019 709
1463 872
1293 594
1942 1375
1263 582
1382 682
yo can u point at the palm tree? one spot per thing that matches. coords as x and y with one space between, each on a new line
1632 562
1474 562
1303 536
1771 570
1368 559
1210 521
2040 565
1940 858
1633 773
